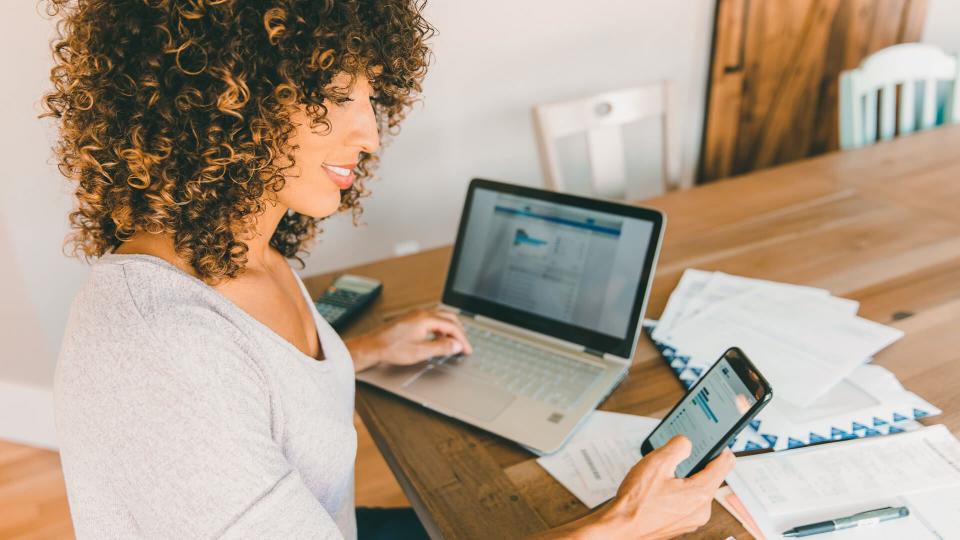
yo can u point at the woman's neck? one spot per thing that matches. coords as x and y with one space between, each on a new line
259 252
258 246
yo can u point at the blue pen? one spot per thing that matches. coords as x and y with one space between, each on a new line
862 519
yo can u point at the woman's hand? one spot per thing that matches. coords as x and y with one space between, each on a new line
656 504
413 338
651 502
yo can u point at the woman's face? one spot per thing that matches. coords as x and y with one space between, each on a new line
325 160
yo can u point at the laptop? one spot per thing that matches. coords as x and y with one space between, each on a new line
551 289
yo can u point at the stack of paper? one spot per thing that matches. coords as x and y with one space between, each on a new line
810 345
919 470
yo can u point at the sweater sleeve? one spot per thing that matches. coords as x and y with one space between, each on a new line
173 419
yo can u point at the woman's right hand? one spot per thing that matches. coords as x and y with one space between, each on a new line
653 503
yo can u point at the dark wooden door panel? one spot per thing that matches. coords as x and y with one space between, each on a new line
773 78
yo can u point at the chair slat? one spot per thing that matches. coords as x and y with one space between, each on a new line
870 117
888 111
928 119
851 112
908 105
548 151
607 165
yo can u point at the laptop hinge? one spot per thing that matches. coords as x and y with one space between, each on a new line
594 352
468 314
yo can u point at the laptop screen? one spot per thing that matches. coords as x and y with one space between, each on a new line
566 266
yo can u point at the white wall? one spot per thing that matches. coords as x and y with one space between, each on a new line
494 60
942 27
36 280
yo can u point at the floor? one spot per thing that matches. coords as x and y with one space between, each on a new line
33 500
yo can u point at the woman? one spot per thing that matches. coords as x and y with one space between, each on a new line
198 391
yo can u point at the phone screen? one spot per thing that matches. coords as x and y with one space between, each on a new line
707 413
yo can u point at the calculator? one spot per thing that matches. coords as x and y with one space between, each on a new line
347 298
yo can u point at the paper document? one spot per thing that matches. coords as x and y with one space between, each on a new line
804 480
699 289
803 348
604 463
919 470
804 340
615 433
939 510
692 283
869 402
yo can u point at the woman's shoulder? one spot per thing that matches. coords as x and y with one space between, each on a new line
137 312
132 289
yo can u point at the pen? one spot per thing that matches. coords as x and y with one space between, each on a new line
862 519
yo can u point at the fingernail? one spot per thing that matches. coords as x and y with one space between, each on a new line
457 347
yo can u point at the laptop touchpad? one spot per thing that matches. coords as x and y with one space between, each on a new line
462 392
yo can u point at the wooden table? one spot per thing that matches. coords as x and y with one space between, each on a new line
880 225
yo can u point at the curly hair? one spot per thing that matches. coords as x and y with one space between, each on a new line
175 115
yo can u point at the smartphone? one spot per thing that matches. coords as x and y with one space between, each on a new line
713 411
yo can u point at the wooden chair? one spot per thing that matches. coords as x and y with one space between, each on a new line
603 117
900 66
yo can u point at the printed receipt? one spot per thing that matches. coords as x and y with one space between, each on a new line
569 465
603 464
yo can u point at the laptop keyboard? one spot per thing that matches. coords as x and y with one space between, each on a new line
525 370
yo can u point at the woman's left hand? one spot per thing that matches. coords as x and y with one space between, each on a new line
413 338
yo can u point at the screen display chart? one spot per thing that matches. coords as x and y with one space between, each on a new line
706 414
564 263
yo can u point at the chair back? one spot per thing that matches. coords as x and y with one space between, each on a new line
602 117
902 68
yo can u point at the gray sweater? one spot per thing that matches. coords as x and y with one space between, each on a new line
181 416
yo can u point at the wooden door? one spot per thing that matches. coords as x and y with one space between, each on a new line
774 75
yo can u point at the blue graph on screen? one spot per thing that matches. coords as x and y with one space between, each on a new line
521 237
702 400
